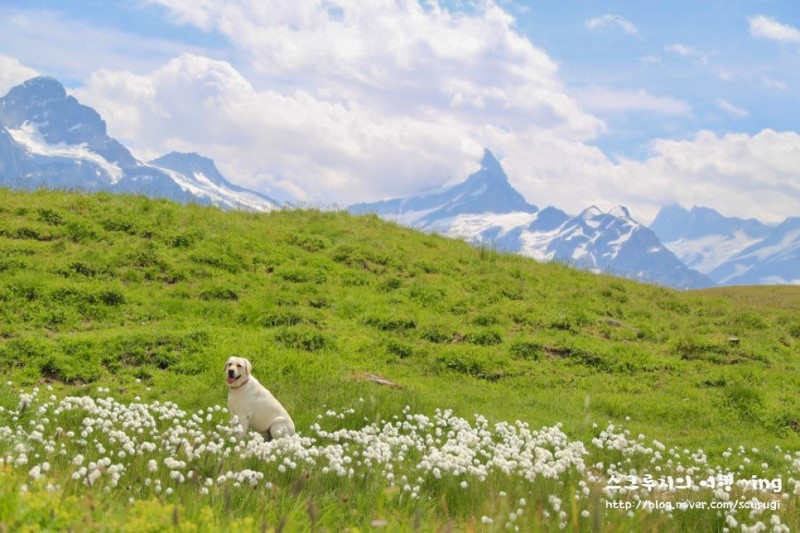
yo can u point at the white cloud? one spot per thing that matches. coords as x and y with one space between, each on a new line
607 100
71 49
403 56
753 176
766 28
612 20
730 109
650 60
771 83
688 52
318 150
365 99
347 101
12 73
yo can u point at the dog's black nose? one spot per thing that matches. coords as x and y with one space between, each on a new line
231 373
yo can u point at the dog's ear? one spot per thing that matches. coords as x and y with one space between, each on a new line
249 366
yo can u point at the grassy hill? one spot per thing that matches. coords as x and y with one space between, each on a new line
144 300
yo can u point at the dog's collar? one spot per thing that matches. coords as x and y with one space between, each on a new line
241 385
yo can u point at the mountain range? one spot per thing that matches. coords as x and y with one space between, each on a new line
485 208
49 139
732 251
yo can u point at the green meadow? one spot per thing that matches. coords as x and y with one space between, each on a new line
353 322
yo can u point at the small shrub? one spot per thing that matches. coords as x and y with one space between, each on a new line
79 232
301 275
72 296
390 284
572 322
229 263
749 320
118 224
436 334
526 350
82 269
745 399
182 240
391 324
48 216
309 243
26 233
279 318
219 293
303 339
693 348
484 338
473 364
426 295
111 297
674 306
485 320
399 349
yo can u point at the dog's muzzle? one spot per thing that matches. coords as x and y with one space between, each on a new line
232 376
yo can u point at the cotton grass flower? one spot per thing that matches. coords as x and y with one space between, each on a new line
110 444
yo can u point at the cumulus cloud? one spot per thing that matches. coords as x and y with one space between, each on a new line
612 20
349 100
397 55
346 101
763 27
12 73
738 174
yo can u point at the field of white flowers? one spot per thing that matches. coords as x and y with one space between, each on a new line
502 476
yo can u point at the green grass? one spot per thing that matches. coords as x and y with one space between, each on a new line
149 298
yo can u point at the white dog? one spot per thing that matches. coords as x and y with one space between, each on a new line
254 406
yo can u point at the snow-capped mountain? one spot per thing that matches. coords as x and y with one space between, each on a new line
704 239
485 208
49 139
487 190
732 251
774 260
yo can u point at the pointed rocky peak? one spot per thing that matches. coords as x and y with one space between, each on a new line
621 211
491 174
490 163
590 213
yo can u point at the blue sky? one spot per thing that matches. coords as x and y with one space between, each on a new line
640 103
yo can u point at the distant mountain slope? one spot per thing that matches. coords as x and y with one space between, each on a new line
485 191
732 251
704 239
773 260
485 208
49 139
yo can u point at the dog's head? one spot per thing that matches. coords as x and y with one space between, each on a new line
237 371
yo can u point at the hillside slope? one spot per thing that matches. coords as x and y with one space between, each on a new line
99 287
535 378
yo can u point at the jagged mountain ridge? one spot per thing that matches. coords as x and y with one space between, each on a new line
49 139
732 251
486 208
